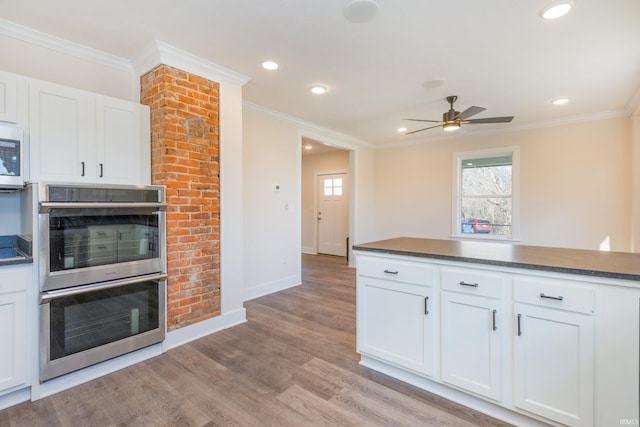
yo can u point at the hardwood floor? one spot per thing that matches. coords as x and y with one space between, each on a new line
292 364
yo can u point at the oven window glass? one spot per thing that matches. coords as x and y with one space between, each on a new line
80 238
84 321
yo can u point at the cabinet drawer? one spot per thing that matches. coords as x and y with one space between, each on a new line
471 281
555 294
401 271
13 278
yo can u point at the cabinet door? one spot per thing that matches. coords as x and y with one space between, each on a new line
13 352
62 140
553 364
395 323
123 150
470 343
8 98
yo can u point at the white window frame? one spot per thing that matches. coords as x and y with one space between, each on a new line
456 231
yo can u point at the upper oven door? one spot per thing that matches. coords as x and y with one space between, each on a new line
91 242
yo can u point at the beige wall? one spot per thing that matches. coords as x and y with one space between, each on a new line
575 185
312 165
635 162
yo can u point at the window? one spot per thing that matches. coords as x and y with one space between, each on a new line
333 186
486 190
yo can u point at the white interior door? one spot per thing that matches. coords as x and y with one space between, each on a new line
333 214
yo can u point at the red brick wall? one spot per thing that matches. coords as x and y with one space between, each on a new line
185 158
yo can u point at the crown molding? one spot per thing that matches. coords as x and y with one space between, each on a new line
157 52
321 132
58 44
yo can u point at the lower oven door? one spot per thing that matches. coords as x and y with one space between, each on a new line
86 325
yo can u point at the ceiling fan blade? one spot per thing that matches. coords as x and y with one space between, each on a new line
471 111
422 120
420 130
491 120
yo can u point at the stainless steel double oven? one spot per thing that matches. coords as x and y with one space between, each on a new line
102 273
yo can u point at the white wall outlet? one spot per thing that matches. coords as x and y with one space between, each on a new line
276 188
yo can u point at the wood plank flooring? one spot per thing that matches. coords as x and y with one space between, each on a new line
292 364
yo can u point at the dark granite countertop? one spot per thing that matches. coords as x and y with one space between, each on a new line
15 250
614 265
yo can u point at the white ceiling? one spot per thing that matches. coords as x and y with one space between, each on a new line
498 54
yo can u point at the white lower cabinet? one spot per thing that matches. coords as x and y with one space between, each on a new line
395 319
534 344
13 333
397 323
553 365
470 343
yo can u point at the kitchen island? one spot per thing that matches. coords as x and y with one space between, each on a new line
527 334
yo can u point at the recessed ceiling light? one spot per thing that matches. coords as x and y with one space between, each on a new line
556 10
401 129
360 11
270 65
560 101
318 89
308 147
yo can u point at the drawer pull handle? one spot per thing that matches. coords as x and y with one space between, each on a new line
519 328
558 298
473 285
426 301
391 272
495 328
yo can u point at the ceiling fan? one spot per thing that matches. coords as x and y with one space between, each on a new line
452 119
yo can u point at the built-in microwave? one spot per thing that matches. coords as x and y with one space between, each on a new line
11 158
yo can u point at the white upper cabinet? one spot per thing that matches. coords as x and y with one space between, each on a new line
123 146
78 136
63 146
8 97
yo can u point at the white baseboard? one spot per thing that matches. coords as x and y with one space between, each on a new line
15 397
173 339
309 250
452 394
56 385
204 328
271 287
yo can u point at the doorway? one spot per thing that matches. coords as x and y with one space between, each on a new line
328 234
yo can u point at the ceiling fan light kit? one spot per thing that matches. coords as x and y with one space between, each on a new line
452 120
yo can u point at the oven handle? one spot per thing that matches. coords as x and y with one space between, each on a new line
47 296
45 207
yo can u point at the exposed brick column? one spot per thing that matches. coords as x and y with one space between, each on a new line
184 157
